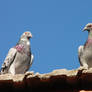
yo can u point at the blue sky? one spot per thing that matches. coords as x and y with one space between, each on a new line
56 26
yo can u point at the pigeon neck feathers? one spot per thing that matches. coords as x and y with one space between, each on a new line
90 35
23 46
89 41
24 41
19 48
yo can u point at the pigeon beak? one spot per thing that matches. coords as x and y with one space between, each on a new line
85 28
30 35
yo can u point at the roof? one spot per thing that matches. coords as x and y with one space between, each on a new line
55 81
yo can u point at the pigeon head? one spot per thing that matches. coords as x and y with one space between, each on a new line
88 27
26 35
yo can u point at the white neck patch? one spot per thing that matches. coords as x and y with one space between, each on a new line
27 41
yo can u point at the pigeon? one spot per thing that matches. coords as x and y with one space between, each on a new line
19 58
85 51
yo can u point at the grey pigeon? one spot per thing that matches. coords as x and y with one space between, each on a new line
19 58
85 51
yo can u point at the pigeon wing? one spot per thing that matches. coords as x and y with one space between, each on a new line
32 59
80 52
8 60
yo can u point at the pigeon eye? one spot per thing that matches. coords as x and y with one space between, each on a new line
26 33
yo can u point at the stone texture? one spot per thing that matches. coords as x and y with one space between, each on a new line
60 80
